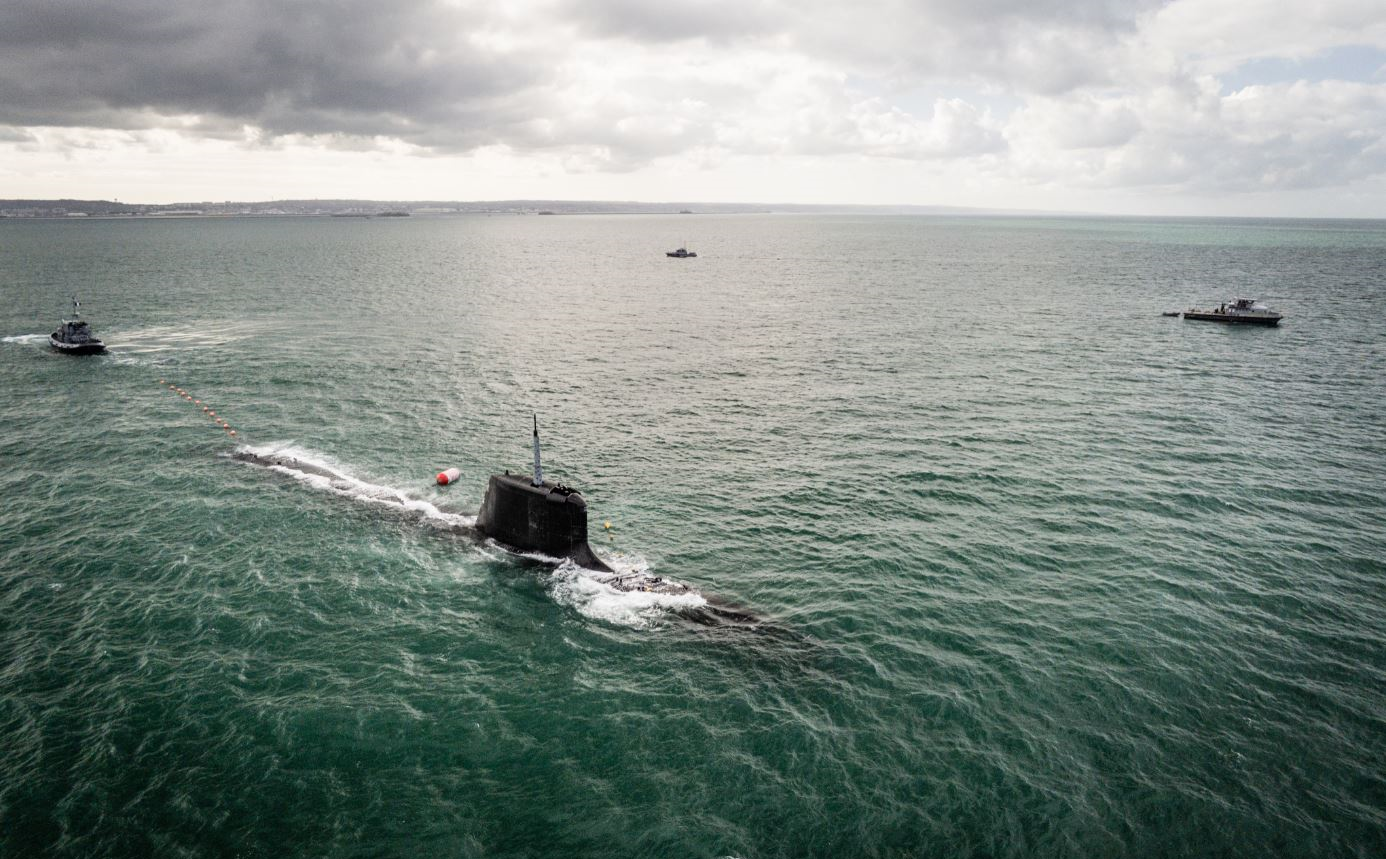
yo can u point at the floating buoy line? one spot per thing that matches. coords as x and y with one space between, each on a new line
220 421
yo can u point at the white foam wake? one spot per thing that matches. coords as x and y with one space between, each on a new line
24 338
334 478
591 594
170 338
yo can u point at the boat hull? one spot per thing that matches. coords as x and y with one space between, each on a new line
1231 318
91 347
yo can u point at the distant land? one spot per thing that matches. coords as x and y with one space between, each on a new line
396 208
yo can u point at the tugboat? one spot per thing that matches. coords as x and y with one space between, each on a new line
681 253
74 337
1246 311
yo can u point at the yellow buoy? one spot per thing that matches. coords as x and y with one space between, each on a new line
607 525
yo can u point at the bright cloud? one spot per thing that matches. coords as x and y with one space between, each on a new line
1050 103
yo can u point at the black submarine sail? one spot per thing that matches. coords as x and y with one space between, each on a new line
536 515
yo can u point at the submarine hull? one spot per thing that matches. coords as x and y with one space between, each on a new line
549 518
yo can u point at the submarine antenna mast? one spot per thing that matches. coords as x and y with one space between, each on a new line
538 472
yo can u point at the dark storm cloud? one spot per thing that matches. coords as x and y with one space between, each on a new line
429 70
347 67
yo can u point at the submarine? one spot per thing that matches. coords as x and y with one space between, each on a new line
529 515
537 515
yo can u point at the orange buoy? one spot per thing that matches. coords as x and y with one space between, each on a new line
449 475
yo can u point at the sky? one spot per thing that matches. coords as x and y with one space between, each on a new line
1189 107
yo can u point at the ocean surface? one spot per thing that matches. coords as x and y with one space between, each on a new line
1041 572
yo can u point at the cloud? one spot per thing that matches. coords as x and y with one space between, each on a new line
1191 138
348 67
9 134
718 21
459 75
1216 36
1053 93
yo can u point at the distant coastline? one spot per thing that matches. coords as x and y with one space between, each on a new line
72 209
76 209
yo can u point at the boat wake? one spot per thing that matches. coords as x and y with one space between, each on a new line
167 338
628 595
25 338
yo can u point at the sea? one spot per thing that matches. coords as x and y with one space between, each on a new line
1036 571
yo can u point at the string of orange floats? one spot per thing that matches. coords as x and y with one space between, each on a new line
221 422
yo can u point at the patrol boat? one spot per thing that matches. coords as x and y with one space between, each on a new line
681 253
1247 311
74 337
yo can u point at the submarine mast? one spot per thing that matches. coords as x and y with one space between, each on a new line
538 472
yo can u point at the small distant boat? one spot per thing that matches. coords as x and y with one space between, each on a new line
74 337
681 253
1245 311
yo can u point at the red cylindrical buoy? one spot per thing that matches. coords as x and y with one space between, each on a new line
449 475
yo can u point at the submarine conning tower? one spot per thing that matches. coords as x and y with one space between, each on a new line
536 515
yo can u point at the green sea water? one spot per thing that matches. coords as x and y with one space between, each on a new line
1042 572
